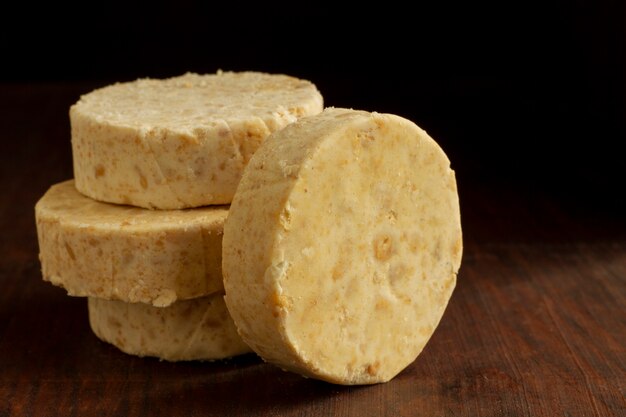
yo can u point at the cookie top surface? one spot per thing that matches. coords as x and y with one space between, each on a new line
64 203
192 101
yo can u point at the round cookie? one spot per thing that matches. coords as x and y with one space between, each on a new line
180 142
198 329
126 253
342 246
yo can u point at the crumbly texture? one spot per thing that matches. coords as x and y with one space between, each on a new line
183 141
126 253
342 246
198 329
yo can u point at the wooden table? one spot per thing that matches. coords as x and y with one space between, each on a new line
536 326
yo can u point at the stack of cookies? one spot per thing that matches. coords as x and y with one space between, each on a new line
340 249
139 229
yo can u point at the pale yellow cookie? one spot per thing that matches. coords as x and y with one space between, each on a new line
198 329
127 253
342 246
183 141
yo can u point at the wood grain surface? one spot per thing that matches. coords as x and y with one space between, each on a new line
536 326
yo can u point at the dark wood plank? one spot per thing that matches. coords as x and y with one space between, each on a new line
536 327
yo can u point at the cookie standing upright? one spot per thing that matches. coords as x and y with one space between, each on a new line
342 246
180 142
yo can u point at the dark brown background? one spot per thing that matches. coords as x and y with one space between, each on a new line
528 102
